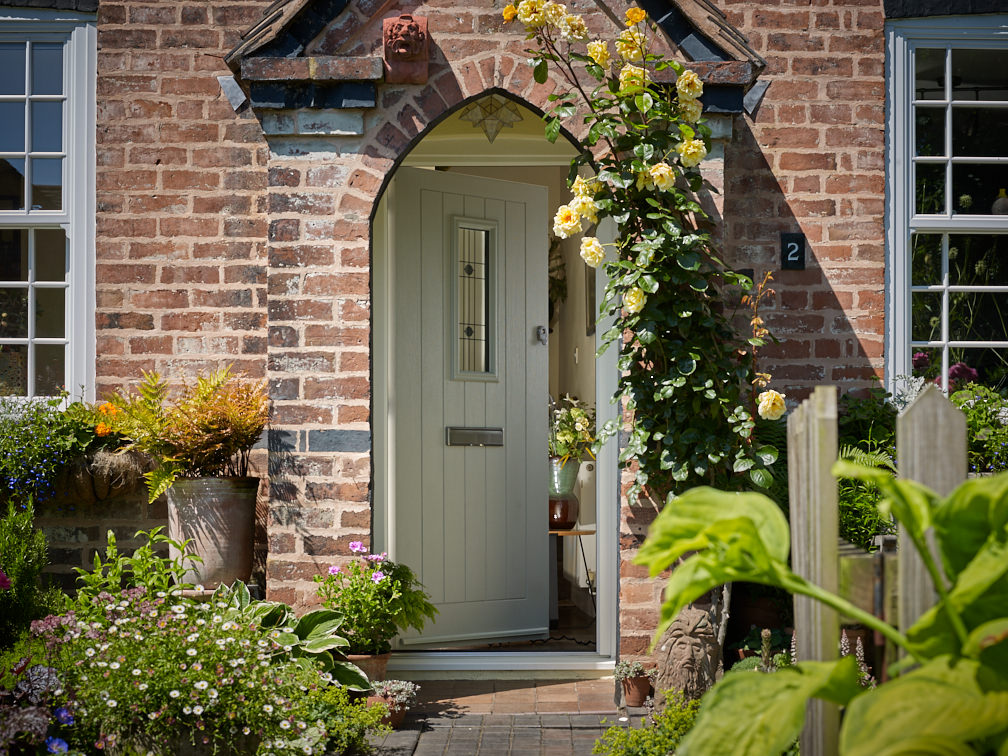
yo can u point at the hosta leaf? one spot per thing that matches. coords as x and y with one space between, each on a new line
762 715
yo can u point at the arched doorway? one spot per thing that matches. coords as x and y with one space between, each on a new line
461 382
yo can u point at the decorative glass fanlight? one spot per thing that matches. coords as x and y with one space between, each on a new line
491 113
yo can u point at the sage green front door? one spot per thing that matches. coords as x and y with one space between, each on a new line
468 399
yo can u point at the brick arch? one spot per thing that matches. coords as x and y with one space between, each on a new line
446 112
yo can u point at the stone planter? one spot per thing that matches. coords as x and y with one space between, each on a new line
218 516
636 690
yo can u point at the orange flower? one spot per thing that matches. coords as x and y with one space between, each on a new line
509 13
109 409
102 430
635 16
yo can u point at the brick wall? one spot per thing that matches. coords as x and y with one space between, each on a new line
812 160
181 225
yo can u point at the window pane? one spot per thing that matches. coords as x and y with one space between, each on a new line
929 74
50 370
12 184
930 189
12 126
978 260
925 316
980 74
12 63
979 131
50 255
991 366
13 370
13 254
13 313
47 184
47 127
50 309
976 187
473 300
930 126
926 268
978 316
47 69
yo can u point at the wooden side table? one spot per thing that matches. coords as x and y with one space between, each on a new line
576 533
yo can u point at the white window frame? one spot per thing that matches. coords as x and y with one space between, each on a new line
77 218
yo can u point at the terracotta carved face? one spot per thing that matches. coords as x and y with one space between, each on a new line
404 39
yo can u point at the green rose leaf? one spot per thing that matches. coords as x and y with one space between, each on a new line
540 72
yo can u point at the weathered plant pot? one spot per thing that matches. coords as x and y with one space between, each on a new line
218 516
395 716
636 690
372 665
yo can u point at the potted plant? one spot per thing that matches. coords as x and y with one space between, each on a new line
572 433
376 598
398 696
200 442
635 680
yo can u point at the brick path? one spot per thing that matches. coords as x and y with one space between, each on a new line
501 717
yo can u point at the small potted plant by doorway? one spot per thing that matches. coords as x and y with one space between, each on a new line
398 696
635 680
377 598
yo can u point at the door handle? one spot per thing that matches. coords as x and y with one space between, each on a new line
542 335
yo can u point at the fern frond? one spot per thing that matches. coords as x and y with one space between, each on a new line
874 458
161 478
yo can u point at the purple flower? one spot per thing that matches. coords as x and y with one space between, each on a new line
921 360
334 570
63 715
56 745
961 373
5 583
377 576
377 557
357 547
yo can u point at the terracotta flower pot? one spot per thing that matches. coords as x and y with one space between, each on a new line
218 516
395 716
636 690
372 665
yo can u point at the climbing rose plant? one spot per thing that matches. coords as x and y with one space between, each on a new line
686 375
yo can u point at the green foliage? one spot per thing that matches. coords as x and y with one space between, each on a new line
347 723
376 598
38 440
208 430
572 428
145 568
685 372
626 670
986 427
954 702
23 555
659 736
859 517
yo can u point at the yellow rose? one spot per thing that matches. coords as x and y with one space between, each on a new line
530 13
635 15
662 175
509 13
644 181
631 77
688 85
691 152
554 13
690 110
567 221
633 300
771 405
585 207
586 187
599 52
630 45
573 28
592 252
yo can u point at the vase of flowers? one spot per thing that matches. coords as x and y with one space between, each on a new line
377 599
572 433
199 443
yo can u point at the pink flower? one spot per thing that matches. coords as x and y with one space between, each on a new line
921 360
357 547
377 557
5 583
960 374
377 576
334 570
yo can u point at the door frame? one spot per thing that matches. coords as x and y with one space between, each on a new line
607 482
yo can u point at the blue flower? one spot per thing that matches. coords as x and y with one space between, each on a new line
63 715
56 745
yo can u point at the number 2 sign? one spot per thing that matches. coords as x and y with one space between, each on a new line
792 251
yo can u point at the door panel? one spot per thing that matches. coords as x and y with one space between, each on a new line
471 521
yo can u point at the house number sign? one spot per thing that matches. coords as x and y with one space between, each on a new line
792 251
